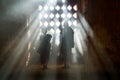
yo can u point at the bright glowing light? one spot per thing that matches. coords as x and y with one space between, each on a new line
75 15
62 24
28 55
86 25
52 23
46 23
63 1
52 1
57 7
75 7
69 23
40 7
57 41
57 23
63 15
63 7
27 23
40 23
69 7
40 16
75 23
57 15
57 31
46 7
79 40
51 15
69 15
28 59
29 33
51 31
46 15
51 8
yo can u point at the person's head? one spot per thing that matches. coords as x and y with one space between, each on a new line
48 37
66 24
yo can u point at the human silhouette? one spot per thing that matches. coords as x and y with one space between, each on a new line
67 43
44 50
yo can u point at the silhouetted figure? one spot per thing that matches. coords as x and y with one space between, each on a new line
67 43
44 50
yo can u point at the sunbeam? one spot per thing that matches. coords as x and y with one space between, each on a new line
56 42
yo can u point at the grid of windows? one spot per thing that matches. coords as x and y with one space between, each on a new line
55 15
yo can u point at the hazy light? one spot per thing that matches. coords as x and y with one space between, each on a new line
69 15
51 31
27 23
51 8
57 41
62 24
57 15
29 33
46 8
86 25
40 23
28 59
46 23
57 7
57 31
46 15
75 15
75 23
75 7
69 23
57 23
63 1
52 1
51 15
63 7
40 7
38 37
28 55
69 7
40 16
77 40
29 46
52 23
63 15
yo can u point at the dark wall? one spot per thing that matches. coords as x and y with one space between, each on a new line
104 14
104 19
112 23
112 18
13 15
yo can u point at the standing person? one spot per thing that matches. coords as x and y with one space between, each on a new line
67 43
44 50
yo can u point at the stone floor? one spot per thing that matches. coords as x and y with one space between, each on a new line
56 72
